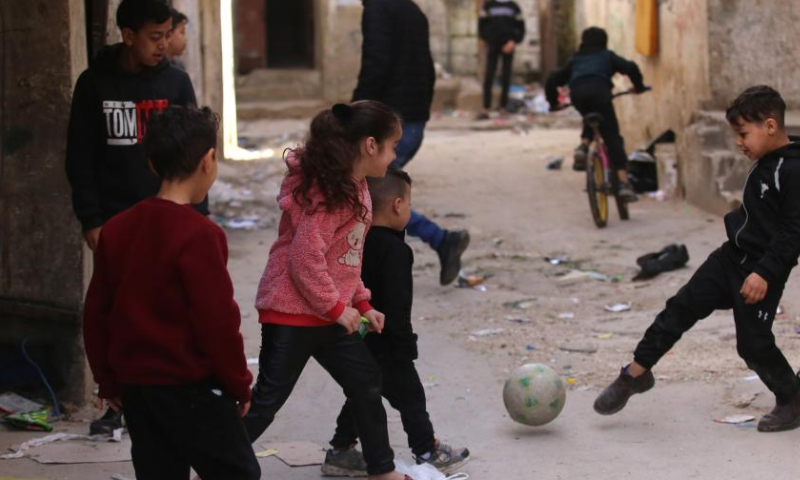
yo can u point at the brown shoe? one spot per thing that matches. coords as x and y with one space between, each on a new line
785 416
616 395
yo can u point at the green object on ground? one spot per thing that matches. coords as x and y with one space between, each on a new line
36 420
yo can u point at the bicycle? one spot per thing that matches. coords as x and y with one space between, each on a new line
601 178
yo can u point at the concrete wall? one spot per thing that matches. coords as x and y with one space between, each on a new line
193 55
42 260
339 34
753 42
250 34
678 73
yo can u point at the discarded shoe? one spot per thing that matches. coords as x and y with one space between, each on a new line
671 257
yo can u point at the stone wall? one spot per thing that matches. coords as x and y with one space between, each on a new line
42 260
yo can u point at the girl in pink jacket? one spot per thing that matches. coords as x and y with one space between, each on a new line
311 299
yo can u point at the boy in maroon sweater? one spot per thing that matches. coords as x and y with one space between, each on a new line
161 326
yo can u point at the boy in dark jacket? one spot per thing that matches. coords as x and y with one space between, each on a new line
386 271
588 74
397 69
113 99
502 27
161 327
747 274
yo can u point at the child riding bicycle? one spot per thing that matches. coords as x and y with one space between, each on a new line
588 74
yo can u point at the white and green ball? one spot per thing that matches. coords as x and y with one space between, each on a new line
534 394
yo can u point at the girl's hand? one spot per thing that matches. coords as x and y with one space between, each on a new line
350 319
376 319
754 289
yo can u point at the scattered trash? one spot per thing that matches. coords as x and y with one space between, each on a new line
797 330
557 260
12 403
780 310
517 319
736 419
521 304
605 336
98 449
455 215
530 348
658 196
671 257
240 224
575 300
486 332
598 276
746 401
578 348
424 471
36 420
266 453
566 316
570 381
555 163
497 241
572 277
617 278
119 476
480 288
468 280
252 361
751 378
618 307
296 454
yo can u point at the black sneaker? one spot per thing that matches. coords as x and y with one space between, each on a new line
105 425
785 416
580 155
615 396
344 463
445 458
453 245
627 193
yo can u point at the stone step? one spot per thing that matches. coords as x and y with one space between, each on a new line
279 84
277 109
279 76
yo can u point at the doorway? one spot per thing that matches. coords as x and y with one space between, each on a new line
290 33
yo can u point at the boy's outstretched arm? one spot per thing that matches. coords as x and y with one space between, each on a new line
214 315
84 139
630 69
783 250
556 79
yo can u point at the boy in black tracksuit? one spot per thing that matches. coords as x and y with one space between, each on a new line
502 27
113 99
386 271
588 74
747 274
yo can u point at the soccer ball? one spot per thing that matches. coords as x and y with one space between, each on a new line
534 394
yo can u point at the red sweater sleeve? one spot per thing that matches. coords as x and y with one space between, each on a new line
95 327
213 311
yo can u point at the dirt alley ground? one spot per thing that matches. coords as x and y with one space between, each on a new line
494 182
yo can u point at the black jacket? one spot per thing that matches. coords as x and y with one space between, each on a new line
766 228
396 62
595 65
105 162
501 21
386 271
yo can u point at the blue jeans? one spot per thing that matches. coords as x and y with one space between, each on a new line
419 225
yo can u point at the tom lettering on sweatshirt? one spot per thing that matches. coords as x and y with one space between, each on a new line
126 122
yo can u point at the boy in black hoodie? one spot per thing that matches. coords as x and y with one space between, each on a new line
502 27
747 274
113 99
588 74
112 102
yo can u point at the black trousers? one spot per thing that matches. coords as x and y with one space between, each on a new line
403 389
493 54
715 286
174 428
595 97
284 353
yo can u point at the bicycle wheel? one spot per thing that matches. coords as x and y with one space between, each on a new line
622 204
595 188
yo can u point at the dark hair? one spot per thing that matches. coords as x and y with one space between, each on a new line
757 104
178 17
593 39
332 148
177 139
134 14
385 190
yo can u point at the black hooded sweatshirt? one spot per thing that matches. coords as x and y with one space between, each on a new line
501 21
105 163
766 228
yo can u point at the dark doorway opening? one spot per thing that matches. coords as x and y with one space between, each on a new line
290 34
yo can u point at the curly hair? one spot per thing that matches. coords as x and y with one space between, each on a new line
332 148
